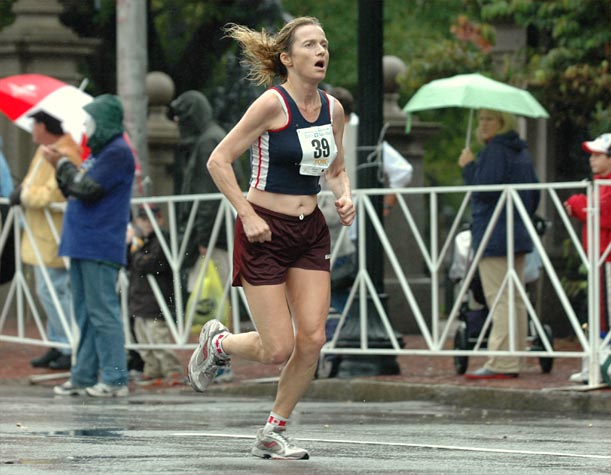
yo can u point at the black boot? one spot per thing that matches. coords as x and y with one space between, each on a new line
63 362
44 360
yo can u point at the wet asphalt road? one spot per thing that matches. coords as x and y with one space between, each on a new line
189 433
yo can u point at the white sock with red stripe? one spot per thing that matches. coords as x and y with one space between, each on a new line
217 343
275 423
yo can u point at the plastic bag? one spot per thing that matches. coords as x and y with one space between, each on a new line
208 297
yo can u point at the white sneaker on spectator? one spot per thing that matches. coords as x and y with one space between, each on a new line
579 378
106 390
68 389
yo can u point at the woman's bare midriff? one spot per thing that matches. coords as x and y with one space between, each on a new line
290 205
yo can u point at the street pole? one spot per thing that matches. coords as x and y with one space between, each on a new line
132 65
370 99
370 110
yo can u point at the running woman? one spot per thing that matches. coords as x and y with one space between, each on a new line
282 245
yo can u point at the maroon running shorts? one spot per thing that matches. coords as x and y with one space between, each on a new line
303 242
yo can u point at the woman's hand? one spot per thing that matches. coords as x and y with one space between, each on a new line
345 210
465 158
256 229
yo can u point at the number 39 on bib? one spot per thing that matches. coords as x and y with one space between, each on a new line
318 149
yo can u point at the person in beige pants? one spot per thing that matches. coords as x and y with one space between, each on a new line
492 271
504 159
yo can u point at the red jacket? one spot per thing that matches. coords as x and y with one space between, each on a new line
579 202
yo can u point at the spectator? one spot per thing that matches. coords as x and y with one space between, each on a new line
7 253
95 226
199 135
147 258
397 170
6 180
576 206
504 159
35 194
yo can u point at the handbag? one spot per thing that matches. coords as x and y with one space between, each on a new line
208 298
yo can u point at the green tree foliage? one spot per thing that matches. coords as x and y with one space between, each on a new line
418 32
568 56
566 66
566 63
6 14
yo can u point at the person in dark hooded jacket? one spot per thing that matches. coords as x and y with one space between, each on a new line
505 159
199 135
93 237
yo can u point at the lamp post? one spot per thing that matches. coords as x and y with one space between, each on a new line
370 100
132 65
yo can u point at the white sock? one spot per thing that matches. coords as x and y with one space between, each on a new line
275 423
217 343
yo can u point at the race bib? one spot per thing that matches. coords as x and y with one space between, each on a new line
318 149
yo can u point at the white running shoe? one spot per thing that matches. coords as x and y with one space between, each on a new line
68 389
106 390
206 360
277 446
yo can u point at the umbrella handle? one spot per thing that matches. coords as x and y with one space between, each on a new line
468 138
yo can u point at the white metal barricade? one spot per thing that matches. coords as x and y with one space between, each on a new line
432 240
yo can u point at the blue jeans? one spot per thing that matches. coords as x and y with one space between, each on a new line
60 279
101 347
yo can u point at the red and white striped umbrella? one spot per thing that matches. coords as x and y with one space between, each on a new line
23 94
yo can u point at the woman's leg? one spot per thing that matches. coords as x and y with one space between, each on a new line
273 340
492 273
308 294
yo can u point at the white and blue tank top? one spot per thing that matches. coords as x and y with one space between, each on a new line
291 159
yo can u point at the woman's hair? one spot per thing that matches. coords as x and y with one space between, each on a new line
262 50
508 122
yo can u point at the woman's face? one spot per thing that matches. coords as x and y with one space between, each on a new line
489 125
309 56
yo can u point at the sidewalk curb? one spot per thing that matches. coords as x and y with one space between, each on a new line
592 402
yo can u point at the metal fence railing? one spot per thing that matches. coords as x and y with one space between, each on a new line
431 236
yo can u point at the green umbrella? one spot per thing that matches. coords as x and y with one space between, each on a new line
474 91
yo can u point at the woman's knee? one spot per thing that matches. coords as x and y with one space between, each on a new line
311 343
278 357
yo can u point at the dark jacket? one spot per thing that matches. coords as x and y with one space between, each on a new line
149 259
199 136
504 160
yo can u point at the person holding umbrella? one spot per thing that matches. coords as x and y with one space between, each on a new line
504 159
35 194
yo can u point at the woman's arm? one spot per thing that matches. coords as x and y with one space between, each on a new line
264 114
336 175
